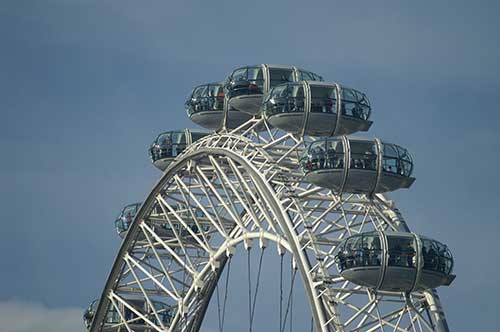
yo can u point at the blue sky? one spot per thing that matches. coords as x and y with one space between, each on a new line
86 85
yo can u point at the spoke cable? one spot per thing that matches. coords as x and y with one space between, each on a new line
290 294
225 293
292 276
218 307
281 292
256 287
249 291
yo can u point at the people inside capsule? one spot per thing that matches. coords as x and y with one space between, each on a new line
206 107
351 165
317 109
185 214
112 318
170 144
161 226
125 218
395 261
246 86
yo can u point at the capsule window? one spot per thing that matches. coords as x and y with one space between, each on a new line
348 102
437 257
363 109
390 161
323 99
112 316
163 311
306 76
285 98
255 76
363 155
335 154
317 156
406 162
239 74
401 251
199 91
197 136
280 75
396 160
372 250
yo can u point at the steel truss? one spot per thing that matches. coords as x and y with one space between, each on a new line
244 188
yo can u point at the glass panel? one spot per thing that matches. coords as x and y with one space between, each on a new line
317 77
197 136
390 151
163 311
323 154
363 109
239 75
255 76
206 98
164 140
279 91
317 156
390 162
323 99
397 160
199 91
363 155
355 104
112 316
285 98
352 251
401 251
437 257
306 76
334 154
348 102
371 253
280 75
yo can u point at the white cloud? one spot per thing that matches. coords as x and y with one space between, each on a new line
18 316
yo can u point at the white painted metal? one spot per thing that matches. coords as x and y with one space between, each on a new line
247 185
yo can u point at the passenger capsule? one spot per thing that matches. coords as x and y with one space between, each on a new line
317 109
395 261
351 165
125 218
246 86
160 223
137 324
170 144
206 108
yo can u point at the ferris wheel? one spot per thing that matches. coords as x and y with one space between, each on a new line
279 175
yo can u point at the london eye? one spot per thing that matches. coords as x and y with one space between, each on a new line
281 173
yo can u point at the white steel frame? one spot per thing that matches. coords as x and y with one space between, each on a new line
241 187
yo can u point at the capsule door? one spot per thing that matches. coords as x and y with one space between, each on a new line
361 167
401 262
322 112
